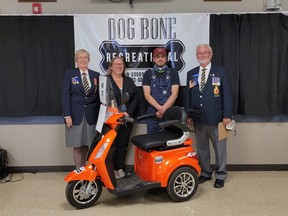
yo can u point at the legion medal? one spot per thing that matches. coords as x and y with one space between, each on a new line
216 84
75 80
216 91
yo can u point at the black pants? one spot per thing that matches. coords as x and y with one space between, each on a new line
121 144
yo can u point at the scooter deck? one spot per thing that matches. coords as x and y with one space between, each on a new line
133 184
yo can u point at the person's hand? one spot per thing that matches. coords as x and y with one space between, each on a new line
226 121
161 110
159 115
189 123
68 121
192 83
126 114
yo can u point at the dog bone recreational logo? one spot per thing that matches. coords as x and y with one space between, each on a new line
140 57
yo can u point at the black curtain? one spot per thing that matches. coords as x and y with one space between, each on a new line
254 49
224 40
35 52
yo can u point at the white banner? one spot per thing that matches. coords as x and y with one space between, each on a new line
135 36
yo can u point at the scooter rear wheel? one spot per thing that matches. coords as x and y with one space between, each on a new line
182 184
83 194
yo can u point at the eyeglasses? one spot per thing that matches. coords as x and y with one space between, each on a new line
202 53
82 57
118 64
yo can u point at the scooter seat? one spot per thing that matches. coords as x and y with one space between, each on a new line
154 140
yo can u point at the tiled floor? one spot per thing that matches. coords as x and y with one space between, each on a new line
245 193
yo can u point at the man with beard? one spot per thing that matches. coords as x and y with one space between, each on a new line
161 87
209 90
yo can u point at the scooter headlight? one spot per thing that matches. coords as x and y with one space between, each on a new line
101 150
158 159
192 155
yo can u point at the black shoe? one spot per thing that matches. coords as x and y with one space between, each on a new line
219 183
128 174
203 179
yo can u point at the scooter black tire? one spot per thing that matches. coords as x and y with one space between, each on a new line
77 195
182 184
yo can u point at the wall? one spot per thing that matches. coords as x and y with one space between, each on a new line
44 145
140 6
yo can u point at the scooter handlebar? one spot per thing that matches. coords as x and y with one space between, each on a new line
146 116
127 119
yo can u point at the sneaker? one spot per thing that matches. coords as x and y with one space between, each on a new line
116 174
121 173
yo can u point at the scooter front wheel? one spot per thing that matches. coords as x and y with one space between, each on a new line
182 184
82 193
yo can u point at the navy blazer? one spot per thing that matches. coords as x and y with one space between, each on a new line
74 100
216 98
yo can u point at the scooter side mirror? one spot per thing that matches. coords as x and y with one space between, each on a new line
124 98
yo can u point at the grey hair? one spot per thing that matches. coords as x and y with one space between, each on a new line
204 45
80 51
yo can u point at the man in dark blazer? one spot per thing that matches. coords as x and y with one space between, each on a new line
212 94
80 101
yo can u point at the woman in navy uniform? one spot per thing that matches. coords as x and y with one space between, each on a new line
80 101
213 96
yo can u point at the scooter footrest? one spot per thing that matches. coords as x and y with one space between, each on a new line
133 185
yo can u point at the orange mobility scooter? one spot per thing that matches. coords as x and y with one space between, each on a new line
165 159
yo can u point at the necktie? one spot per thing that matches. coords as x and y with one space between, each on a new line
85 83
203 79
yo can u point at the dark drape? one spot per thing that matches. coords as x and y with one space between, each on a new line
254 49
35 52
224 40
